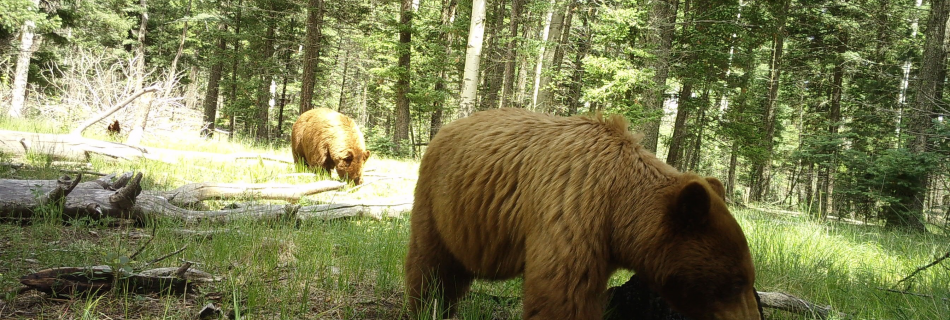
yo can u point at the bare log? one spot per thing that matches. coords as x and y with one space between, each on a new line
153 205
122 197
63 146
190 195
104 114
71 146
99 279
790 303
19 199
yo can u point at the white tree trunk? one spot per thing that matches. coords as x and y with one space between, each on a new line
541 97
473 55
27 47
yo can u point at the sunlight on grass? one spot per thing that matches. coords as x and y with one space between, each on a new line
846 266
353 268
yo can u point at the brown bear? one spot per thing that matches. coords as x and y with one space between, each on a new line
323 138
565 202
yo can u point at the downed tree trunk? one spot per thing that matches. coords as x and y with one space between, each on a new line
96 199
124 198
790 303
71 146
62 146
152 205
99 279
191 195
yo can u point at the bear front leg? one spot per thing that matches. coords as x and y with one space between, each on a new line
564 284
434 277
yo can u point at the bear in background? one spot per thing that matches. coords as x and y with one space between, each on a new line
114 129
323 138
565 202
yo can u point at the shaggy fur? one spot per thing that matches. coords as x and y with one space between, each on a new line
114 129
565 202
323 138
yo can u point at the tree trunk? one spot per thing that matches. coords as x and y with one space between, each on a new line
402 82
543 92
565 36
173 69
211 94
925 102
663 25
762 168
264 94
674 154
447 38
511 52
731 176
29 42
542 96
583 48
473 55
494 71
692 162
236 47
145 104
311 54
834 119
282 102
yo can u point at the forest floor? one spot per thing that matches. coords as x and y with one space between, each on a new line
353 268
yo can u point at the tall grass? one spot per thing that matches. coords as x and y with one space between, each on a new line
352 269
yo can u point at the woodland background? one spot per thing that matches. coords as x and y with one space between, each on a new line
830 107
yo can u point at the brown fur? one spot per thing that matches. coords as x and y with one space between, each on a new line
114 129
565 202
323 138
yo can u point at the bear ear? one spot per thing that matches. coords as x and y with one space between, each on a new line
717 186
692 205
366 155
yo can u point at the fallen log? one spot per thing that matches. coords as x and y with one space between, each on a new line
63 146
19 200
192 194
73 146
122 197
152 205
99 279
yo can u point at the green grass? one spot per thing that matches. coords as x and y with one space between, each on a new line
352 269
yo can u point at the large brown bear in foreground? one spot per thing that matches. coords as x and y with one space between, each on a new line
566 201
323 138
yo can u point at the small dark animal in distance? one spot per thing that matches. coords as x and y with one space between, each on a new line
114 128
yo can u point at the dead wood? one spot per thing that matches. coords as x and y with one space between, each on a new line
21 199
72 146
92 120
925 267
786 302
122 197
152 205
99 279
64 146
190 195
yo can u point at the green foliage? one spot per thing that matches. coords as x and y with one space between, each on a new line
884 183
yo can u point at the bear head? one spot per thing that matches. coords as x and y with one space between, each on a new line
701 264
351 165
